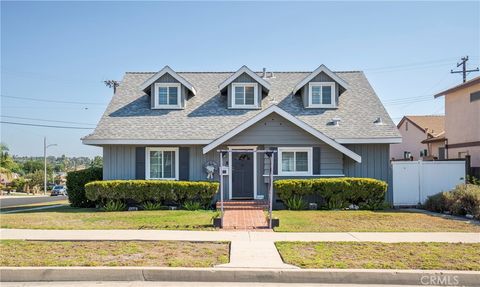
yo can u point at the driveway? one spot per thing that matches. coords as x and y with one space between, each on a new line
9 201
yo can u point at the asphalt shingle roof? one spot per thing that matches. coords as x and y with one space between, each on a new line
206 116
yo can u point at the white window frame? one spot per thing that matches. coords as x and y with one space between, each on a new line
321 84
147 161
309 151
244 85
156 105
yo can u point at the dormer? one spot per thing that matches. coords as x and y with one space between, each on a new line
244 89
168 90
320 89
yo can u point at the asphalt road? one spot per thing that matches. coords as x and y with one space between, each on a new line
22 200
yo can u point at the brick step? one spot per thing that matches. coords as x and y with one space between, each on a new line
248 204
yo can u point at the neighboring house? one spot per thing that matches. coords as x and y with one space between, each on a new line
462 123
422 138
170 125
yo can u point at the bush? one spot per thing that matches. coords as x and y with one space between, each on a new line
76 181
463 199
153 206
295 203
192 205
336 192
165 192
114 205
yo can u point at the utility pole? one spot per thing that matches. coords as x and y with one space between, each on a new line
464 70
45 146
112 84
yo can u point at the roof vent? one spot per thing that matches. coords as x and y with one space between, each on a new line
335 121
378 121
264 73
272 75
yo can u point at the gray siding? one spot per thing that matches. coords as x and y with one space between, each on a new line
375 163
244 78
322 77
167 78
118 162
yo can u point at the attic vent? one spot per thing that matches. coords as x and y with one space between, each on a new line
378 121
335 121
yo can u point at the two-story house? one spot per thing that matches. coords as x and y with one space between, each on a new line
422 138
462 121
170 125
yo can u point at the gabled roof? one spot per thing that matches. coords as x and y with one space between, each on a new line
246 70
433 125
319 70
294 120
129 118
459 87
172 73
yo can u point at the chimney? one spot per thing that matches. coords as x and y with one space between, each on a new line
264 73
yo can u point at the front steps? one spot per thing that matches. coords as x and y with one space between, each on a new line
243 205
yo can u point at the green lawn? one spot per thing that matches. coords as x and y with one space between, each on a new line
88 218
375 255
113 253
367 221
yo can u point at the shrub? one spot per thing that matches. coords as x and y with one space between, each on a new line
162 191
192 205
336 192
114 205
463 199
76 181
295 202
153 206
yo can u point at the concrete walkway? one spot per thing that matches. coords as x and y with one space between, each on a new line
248 249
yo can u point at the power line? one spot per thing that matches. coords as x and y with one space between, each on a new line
52 101
464 70
45 126
45 120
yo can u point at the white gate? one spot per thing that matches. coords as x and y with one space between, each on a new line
414 181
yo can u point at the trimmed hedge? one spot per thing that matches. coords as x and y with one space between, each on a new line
463 199
368 193
76 181
162 191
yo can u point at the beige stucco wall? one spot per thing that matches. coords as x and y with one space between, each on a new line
411 142
462 122
434 146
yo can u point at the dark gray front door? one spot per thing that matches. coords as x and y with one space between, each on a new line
242 175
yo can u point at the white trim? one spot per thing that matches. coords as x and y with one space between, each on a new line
309 151
172 73
147 161
156 105
312 175
143 142
296 121
255 95
369 140
320 69
332 104
244 69
230 164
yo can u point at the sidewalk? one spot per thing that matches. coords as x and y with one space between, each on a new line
248 249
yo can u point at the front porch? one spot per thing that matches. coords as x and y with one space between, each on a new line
244 215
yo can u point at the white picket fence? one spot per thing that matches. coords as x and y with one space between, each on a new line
414 181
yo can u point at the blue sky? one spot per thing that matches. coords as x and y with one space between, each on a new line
63 51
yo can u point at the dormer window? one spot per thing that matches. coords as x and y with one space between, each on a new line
321 95
245 95
167 96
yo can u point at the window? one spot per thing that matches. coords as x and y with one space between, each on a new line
294 161
406 155
475 96
161 163
321 95
244 95
167 95
406 126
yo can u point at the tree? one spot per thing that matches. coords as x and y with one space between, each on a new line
30 166
6 161
97 162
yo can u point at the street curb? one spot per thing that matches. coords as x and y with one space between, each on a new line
332 276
